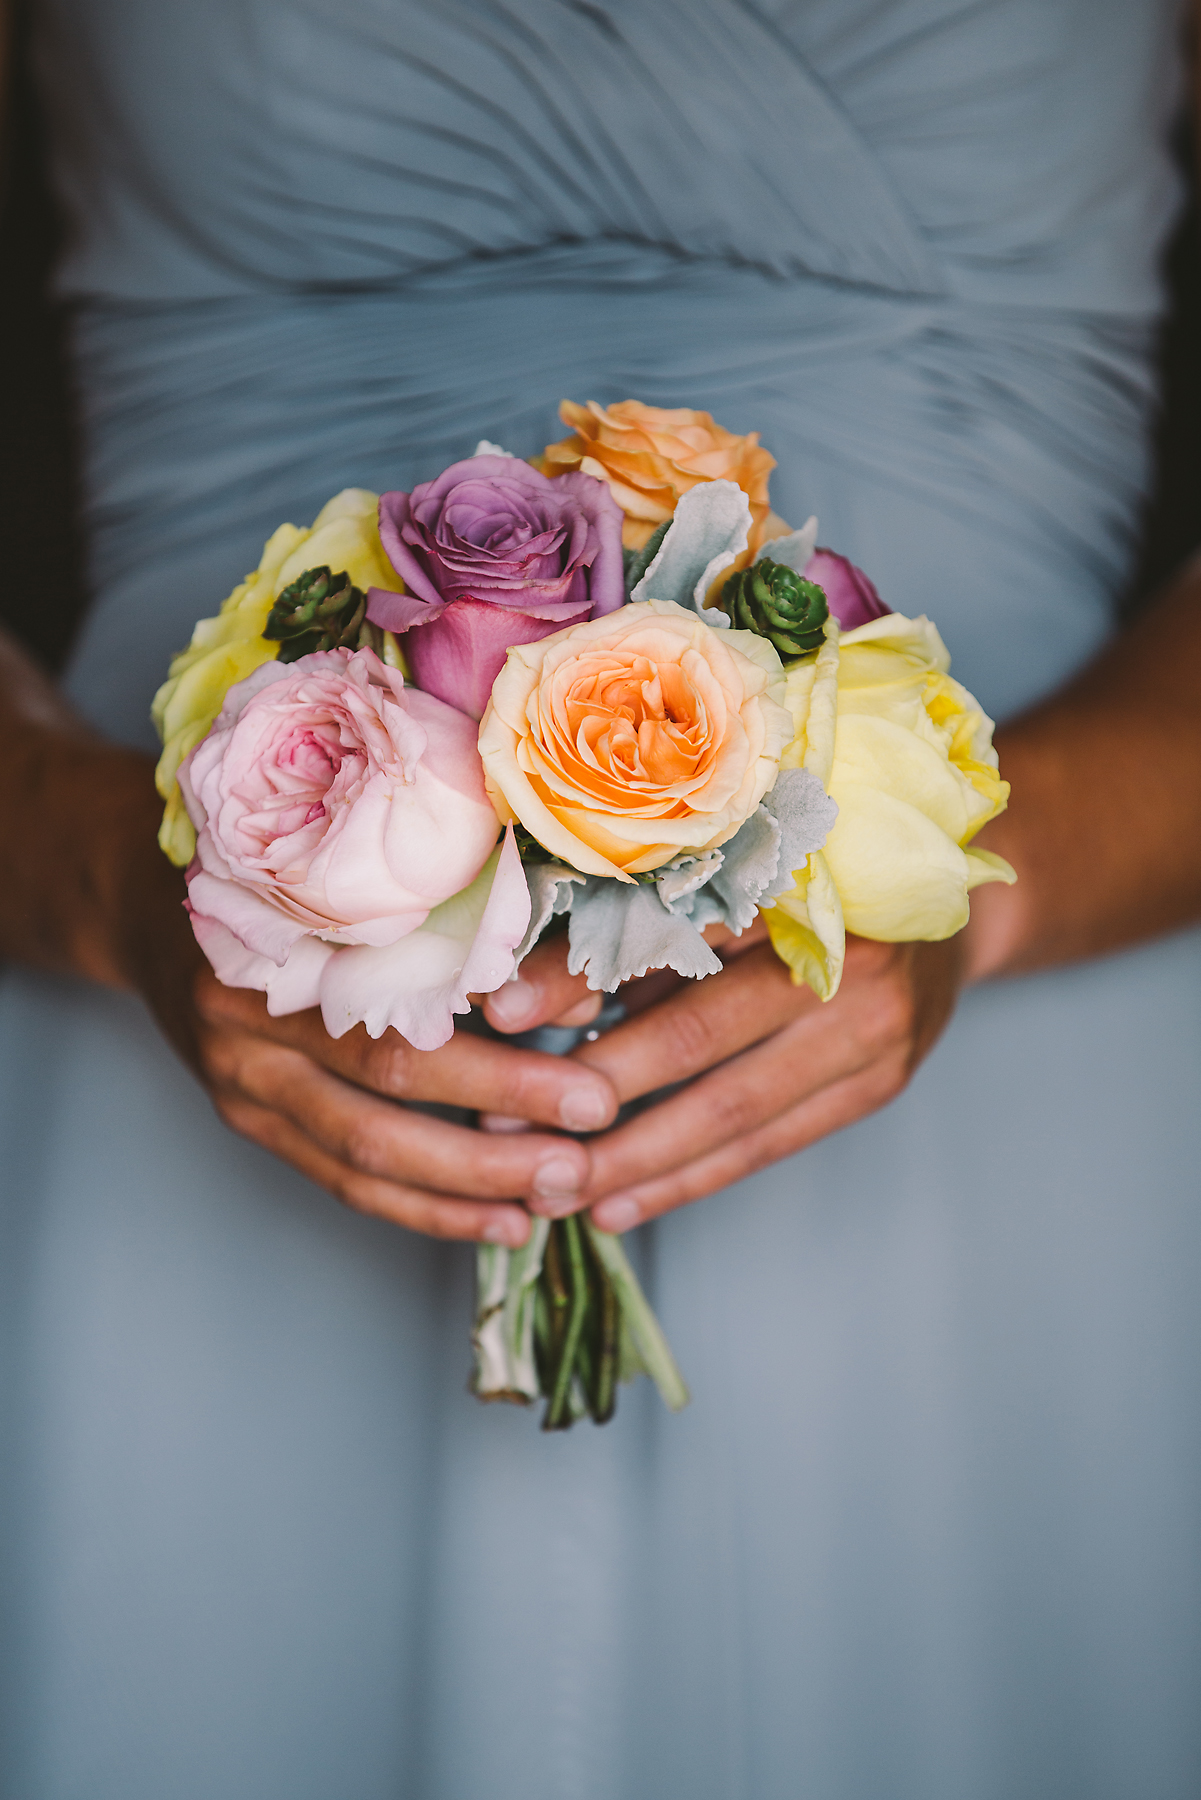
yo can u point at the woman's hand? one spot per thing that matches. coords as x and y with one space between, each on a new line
84 889
329 1107
1102 832
775 1068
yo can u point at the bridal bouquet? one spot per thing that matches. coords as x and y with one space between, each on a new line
610 693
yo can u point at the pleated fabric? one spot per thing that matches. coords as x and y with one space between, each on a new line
929 1529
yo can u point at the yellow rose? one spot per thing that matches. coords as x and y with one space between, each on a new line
228 648
650 455
907 754
621 742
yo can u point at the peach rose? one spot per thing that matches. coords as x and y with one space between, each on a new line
650 455
621 742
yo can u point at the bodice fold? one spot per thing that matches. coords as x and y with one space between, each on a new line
1009 152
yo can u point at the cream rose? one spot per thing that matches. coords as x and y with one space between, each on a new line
623 741
228 648
907 755
650 455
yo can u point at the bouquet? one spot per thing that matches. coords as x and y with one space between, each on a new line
610 693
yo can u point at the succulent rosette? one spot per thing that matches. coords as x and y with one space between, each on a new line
493 554
346 849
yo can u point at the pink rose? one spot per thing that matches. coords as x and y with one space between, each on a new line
493 554
339 812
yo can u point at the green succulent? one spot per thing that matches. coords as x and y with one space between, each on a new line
320 611
776 603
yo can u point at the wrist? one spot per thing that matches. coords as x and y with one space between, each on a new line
137 894
84 880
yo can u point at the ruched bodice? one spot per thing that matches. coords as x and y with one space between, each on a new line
305 145
928 1530
316 243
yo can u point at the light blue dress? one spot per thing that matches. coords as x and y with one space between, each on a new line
931 1529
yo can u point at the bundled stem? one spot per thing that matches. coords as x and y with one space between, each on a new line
564 1318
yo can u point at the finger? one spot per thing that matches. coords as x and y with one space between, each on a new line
437 1215
469 1071
836 1106
701 1024
873 1023
542 992
378 1138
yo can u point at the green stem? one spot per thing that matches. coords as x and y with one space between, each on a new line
605 1325
640 1321
558 1415
556 1301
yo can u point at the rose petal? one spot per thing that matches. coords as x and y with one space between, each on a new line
260 927
850 594
293 988
459 657
401 612
465 946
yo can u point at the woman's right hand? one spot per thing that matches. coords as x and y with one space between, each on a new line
337 1109
84 889
334 1109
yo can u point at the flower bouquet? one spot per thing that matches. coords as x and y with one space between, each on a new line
608 693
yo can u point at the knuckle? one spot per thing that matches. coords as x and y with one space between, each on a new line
223 1058
872 958
208 994
522 1093
360 1146
888 1079
488 1173
239 1115
891 1016
729 1108
693 1035
391 1066
341 1183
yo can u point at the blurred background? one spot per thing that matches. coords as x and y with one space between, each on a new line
42 594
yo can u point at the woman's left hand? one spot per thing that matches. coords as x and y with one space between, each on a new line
770 1067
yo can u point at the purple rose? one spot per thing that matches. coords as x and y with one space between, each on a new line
494 554
851 597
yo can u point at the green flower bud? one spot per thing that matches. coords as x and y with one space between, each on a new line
776 603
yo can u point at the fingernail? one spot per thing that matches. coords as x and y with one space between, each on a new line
502 1122
510 1231
513 1002
557 1177
583 1108
554 1206
615 1215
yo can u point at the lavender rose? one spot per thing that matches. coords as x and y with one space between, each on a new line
850 595
493 554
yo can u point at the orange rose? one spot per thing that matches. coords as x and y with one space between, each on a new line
621 742
650 455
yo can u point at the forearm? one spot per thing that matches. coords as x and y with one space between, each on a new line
1104 823
78 858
